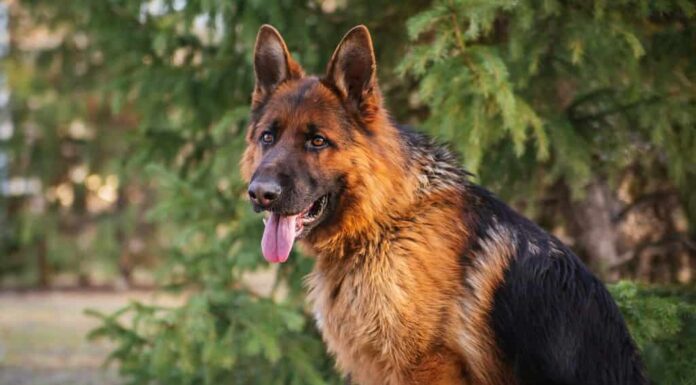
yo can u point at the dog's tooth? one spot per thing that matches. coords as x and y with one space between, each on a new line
265 220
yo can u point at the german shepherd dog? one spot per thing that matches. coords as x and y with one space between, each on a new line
421 276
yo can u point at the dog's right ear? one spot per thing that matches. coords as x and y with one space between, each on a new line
272 64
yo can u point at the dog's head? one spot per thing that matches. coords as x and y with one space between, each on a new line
312 141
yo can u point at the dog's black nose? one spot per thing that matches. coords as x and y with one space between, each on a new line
264 192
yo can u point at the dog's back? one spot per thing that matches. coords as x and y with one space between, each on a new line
554 322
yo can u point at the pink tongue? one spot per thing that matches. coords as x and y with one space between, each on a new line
278 237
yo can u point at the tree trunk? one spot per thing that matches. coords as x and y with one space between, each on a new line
598 235
43 269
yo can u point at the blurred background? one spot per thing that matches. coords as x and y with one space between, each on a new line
124 229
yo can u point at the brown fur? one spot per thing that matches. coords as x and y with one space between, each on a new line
392 300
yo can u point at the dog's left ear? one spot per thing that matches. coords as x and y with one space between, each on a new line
353 69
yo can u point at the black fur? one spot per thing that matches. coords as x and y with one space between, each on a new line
554 321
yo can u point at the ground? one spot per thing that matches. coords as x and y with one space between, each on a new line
42 337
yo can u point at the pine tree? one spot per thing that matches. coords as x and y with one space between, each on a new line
542 98
63 152
572 110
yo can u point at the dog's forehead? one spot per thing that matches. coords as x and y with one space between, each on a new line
306 96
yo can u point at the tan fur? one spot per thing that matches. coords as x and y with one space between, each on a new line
473 333
382 307
392 299
401 314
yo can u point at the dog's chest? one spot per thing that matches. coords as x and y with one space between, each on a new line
349 309
363 322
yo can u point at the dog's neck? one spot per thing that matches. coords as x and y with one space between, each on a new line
437 168
426 173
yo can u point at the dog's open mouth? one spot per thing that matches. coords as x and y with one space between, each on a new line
312 213
282 230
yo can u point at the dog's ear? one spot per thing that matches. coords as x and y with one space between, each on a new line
353 69
272 63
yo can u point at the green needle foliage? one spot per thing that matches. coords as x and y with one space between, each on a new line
663 324
534 94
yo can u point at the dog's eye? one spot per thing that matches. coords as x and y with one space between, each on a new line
267 137
318 141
